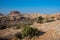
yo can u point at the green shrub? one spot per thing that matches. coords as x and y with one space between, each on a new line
28 31
40 19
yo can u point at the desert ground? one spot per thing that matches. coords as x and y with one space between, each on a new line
10 25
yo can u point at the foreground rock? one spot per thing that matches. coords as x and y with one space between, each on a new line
52 30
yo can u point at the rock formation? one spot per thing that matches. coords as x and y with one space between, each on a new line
14 14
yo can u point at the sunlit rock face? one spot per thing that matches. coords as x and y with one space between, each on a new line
14 14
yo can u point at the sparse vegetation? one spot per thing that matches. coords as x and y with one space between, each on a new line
29 32
50 20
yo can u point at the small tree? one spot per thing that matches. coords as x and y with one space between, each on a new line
40 19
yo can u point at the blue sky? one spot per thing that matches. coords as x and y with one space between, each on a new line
30 6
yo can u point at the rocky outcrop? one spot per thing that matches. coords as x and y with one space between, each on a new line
14 15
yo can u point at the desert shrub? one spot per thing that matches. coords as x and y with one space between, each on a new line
28 31
52 18
40 19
